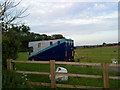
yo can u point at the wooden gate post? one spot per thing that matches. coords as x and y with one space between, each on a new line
9 64
105 75
52 73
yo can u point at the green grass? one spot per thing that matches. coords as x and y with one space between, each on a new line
96 55
71 69
22 56
101 54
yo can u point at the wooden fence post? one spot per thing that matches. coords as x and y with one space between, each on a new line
52 73
105 75
9 64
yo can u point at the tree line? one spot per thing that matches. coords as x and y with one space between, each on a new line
22 34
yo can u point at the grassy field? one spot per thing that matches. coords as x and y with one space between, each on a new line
98 55
73 69
95 55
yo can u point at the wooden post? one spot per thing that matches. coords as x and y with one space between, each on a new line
105 75
9 64
52 73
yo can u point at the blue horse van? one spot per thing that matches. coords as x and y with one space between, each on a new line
58 50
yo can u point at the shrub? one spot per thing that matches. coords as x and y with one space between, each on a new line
10 79
9 49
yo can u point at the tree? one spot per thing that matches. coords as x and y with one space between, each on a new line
9 49
10 37
119 43
25 28
8 16
104 44
57 36
8 13
44 37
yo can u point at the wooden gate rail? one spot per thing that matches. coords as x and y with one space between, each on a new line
52 72
68 74
85 64
61 85
30 72
44 62
66 63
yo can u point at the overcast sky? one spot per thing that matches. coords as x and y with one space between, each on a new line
84 22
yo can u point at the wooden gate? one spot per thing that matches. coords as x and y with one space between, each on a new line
52 73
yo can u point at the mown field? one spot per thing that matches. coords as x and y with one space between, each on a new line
97 55
89 53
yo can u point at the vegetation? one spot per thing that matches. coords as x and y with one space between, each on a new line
71 69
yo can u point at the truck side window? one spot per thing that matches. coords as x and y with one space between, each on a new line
58 42
39 45
30 50
51 43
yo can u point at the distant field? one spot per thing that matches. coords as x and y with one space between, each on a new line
98 55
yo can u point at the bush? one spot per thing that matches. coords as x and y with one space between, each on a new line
13 80
9 49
